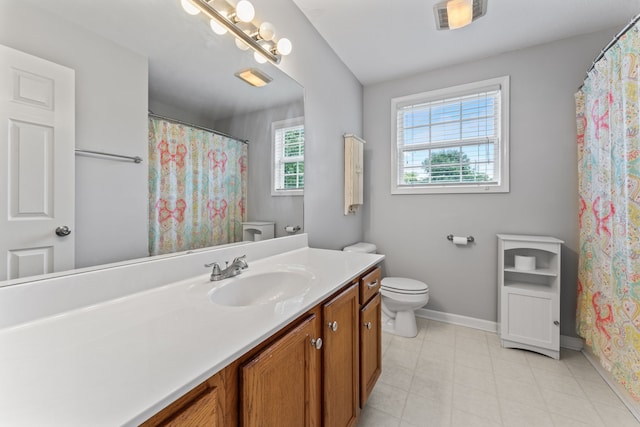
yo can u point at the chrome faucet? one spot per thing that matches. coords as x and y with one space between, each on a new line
236 267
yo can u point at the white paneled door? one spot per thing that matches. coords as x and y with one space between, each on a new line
37 142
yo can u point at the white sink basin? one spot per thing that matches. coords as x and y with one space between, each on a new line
262 288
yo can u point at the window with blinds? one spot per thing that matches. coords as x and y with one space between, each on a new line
288 157
452 140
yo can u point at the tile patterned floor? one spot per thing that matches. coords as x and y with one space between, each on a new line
452 376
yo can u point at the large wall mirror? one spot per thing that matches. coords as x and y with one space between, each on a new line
135 57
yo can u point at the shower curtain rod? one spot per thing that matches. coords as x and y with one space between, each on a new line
611 43
171 119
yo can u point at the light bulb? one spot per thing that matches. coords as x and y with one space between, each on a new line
189 7
267 31
459 13
260 59
240 44
245 11
284 47
216 27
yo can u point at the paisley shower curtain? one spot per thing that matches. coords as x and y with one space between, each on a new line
608 306
197 187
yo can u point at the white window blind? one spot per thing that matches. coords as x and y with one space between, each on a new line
451 140
288 157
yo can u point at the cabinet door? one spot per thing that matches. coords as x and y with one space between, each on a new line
281 385
340 364
529 318
202 406
370 347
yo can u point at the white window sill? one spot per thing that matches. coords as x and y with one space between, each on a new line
287 193
450 189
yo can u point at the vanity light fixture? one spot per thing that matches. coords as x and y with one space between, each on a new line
254 77
261 38
454 14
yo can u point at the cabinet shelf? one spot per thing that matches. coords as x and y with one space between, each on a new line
537 271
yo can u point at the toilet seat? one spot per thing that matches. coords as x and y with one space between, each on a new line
404 286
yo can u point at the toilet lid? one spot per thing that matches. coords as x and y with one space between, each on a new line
404 285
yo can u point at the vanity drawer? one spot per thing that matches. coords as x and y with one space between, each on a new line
370 285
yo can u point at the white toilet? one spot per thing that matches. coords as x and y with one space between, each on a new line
401 297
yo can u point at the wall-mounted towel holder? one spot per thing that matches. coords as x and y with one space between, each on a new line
469 238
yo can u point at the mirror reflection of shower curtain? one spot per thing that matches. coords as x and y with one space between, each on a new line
608 306
197 187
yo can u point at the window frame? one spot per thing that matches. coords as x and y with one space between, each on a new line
275 126
502 155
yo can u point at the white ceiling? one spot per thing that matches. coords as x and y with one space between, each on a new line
382 40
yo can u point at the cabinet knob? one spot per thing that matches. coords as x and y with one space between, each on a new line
367 325
555 322
317 343
333 325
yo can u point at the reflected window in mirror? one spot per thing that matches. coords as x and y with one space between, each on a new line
287 173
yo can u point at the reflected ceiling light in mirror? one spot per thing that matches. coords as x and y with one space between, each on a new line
189 7
216 27
241 44
284 46
254 77
259 58
245 11
267 31
261 38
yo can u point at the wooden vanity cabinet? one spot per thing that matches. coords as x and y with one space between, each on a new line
291 379
341 359
280 385
202 406
370 347
370 333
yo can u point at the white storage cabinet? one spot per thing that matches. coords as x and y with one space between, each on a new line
529 298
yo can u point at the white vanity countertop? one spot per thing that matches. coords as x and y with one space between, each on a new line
121 361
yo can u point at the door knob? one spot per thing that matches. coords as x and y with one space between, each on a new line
63 231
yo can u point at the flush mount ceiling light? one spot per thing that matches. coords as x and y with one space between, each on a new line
254 77
453 14
261 38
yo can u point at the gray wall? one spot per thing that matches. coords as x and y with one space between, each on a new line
411 229
333 107
256 128
111 109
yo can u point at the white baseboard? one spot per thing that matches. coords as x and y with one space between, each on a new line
456 319
632 405
572 343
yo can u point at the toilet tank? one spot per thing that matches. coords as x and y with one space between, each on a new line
254 231
363 247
